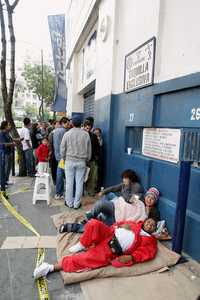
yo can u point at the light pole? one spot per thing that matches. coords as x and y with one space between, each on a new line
42 85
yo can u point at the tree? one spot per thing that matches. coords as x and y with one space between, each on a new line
1 106
40 80
8 89
7 92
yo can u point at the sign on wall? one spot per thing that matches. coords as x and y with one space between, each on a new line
139 66
161 143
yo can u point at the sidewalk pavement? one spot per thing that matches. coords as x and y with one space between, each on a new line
16 282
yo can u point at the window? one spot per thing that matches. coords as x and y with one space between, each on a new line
191 146
133 138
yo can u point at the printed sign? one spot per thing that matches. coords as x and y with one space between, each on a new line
161 143
139 66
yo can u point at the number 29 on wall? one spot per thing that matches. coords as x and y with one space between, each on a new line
195 114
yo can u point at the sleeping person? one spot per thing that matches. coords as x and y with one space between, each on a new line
122 244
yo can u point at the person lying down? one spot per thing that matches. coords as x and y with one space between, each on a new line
110 212
123 244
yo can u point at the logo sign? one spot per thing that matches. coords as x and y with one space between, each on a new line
57 33
162 143
139 66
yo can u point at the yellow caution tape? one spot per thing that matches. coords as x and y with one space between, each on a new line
22 190
41 282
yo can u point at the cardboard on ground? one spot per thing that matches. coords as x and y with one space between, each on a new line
29 242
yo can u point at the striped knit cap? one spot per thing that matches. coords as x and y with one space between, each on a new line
154 192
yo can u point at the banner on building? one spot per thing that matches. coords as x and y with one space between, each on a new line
139 66
57 33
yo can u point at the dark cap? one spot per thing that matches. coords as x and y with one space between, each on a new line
76 121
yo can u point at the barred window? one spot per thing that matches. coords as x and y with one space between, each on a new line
134 139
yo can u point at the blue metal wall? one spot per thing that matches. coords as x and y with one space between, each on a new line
169 105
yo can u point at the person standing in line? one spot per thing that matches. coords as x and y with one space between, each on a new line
91 184
9 156
36 139
4 144
27 147
91 120
43 129
98 133
52 161
57 138
75 150
50 127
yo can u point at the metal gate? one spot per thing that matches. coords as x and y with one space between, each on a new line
89 108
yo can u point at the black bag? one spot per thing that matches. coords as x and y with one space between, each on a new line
115 245
71 227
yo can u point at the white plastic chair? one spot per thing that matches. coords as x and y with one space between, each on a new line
42 189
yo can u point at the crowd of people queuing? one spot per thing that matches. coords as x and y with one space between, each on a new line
50 144
120 229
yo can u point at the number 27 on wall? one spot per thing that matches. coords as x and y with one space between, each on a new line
131 117
195 114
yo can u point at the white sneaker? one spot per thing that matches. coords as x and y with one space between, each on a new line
42 270
57 197
9 182
76 248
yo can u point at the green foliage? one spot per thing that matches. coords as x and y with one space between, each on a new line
33 76
47 115
30 111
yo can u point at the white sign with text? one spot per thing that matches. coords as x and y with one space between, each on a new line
139 67
162 143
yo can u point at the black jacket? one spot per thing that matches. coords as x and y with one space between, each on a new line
95 147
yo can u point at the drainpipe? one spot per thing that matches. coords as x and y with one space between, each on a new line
181 206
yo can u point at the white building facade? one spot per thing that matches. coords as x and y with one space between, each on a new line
134 65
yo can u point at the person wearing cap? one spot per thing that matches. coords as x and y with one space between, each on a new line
75 150
122 245
151 200
57 138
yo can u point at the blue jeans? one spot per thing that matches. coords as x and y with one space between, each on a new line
74 170
2 171
60 177
8 161
30 167
110 196
103 210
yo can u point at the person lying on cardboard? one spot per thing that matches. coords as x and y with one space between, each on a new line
119 209
123 244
